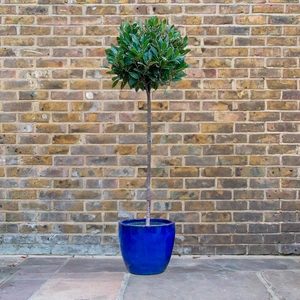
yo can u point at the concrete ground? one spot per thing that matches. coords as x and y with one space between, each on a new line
187 278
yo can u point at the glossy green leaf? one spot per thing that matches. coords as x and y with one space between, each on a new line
115 83
123 84
154 51
169 52
176 79
145 57
145 44
132 81
134 75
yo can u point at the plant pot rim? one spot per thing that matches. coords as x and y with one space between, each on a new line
155 222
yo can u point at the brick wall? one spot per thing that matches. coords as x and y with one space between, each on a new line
226 138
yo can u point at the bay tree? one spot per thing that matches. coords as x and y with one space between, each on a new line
147 56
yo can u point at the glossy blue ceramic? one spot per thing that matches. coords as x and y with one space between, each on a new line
146 250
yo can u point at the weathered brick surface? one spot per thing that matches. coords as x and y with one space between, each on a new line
225 143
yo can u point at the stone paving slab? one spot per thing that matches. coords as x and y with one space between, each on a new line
94 264
196 264
197 285
41 272
10 261
20 289
44 261
8 267
5 273
286 284
105 278
219 278
92 286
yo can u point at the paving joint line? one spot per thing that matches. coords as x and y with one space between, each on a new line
13 274
123 287
267 285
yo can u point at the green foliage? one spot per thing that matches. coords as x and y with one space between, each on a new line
148 55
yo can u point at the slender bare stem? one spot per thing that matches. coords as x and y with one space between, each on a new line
149 192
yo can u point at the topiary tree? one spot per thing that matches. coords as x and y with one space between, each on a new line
147 56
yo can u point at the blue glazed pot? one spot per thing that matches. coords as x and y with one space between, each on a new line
146 250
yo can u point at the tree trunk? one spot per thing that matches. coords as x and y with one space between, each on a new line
149 137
